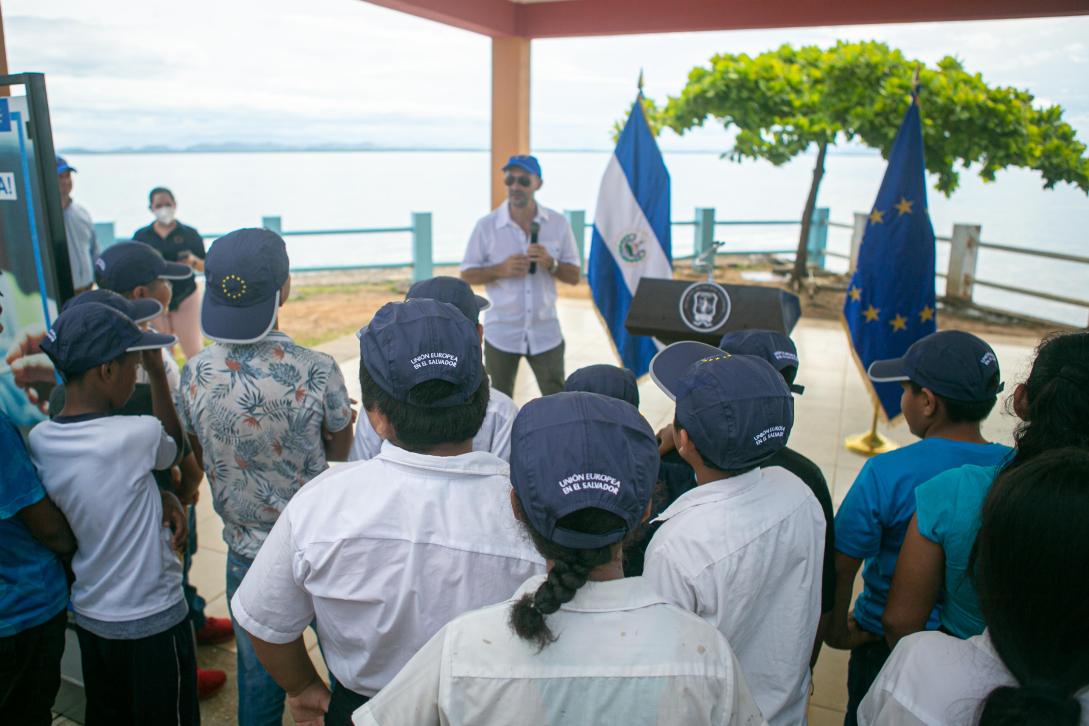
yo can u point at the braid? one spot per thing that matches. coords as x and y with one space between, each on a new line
570 569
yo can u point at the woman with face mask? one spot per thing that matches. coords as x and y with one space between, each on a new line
176 242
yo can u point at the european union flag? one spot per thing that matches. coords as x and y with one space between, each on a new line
890 302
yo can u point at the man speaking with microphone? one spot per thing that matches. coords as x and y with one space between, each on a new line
518 252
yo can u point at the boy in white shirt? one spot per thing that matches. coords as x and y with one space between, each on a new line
744 549
383 553
131 617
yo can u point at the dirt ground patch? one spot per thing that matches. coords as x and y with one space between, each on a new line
328 305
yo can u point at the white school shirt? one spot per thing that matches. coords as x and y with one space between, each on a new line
522 318
383 553
97 470
934 679
494 434
623 657
746 554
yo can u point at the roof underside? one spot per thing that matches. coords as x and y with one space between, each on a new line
568 18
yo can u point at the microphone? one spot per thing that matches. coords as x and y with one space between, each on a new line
534 228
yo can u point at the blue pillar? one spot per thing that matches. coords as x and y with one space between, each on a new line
704 237
273 224
818 237
105 234
577 219
422 261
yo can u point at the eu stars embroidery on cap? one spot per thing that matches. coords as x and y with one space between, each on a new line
233 287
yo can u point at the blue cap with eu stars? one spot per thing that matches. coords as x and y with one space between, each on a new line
571 451
611 381
126 265
951 363
89 335
138 311
737 409
773 346
243 273
421 340
525 162
451 290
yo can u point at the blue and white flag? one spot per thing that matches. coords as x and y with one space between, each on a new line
890 301
631 234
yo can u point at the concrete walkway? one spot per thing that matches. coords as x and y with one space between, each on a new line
835 405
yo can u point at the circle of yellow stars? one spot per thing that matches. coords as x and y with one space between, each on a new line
236 294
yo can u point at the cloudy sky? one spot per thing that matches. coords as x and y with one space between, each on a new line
147 72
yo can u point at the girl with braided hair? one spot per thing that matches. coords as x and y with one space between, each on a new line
584 644
1030 667
1053 405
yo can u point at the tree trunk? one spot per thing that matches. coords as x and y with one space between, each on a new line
801 259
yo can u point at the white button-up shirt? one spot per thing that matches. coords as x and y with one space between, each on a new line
934 679
522 318
383 553
623 656
494 434
746 554
83 250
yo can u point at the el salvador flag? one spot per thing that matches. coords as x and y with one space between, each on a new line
631 234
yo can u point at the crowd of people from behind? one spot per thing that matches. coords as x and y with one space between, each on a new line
473 563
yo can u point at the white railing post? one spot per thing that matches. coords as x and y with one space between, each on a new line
963 253
861 220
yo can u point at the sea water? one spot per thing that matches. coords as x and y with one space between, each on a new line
218 192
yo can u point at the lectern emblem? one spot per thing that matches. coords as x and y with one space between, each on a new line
705 306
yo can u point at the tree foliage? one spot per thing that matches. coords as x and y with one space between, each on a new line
783 101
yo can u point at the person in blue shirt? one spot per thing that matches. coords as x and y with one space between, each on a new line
1053 405
951 382
33 589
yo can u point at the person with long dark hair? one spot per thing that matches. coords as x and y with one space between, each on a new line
582 644
1053 405
1030 667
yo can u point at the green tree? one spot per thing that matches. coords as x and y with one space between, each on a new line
785 101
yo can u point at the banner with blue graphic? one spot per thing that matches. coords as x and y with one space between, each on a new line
631 234
890 301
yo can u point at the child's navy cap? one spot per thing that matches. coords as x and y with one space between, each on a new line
243 274
524 162
611 381
88 335
451 290
773 346
126 265
737 409
138 311
571 451
421 340
951 363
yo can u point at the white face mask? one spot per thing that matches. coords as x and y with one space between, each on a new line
165 215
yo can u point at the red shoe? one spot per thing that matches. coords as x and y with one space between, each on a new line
209 681
215 630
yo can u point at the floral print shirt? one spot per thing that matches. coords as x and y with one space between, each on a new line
258 412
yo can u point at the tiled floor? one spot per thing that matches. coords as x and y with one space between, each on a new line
834 406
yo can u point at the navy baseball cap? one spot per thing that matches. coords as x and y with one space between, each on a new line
421 340
524 162
611 381
138 311
126 265
774 347
85 336
737 409
951 363
571 451
63 166
243 274
451 290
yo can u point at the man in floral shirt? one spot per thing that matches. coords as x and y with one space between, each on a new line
265 416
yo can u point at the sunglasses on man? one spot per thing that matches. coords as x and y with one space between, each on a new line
522 181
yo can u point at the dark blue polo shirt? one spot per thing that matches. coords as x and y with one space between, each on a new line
181 239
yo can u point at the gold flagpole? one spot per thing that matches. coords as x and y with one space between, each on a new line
870 443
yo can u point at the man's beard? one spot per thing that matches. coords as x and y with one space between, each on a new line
519 200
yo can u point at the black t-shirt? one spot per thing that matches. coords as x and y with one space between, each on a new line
675 477
180 240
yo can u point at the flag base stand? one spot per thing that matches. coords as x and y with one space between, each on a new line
870 443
